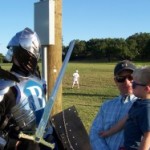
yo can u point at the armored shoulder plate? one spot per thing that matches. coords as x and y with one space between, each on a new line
7 80
4 87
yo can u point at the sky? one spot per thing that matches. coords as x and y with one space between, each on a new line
81 19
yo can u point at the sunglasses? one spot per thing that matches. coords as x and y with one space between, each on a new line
122 79
134 84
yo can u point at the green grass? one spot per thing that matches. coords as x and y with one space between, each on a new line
5 66
96 85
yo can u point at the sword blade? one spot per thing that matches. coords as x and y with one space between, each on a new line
47 110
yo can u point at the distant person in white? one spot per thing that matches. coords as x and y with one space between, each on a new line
75 79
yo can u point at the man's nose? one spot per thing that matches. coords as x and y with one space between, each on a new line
128 81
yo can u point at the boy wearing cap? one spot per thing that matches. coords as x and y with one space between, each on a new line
113 110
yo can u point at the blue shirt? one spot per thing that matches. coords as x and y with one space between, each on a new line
109 114
137 124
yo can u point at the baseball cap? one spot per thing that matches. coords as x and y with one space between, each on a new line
124 65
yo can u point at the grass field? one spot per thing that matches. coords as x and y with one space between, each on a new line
96 85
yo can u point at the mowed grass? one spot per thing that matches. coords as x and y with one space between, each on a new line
96 86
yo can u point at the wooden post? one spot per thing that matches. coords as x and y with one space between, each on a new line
54 58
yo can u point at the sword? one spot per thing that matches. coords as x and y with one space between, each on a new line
38 137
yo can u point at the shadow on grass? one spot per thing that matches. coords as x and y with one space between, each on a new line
89 105
102 96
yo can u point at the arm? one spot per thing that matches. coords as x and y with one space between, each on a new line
145 143
114 129
96 141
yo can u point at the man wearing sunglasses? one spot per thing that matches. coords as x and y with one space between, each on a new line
113 110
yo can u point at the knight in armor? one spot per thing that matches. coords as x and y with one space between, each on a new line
22 93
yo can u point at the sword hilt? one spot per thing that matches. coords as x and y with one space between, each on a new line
37 140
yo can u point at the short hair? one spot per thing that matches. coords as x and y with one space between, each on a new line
142 74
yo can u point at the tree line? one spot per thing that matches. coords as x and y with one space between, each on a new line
135 47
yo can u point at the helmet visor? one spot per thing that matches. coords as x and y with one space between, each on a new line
28 40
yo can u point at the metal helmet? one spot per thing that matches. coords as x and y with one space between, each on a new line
28 40
25 48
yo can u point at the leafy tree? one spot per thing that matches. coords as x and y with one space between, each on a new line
79 50
134 47
1 58
140 41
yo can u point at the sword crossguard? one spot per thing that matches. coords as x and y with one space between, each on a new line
35 139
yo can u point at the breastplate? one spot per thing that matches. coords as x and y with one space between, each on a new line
30 103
